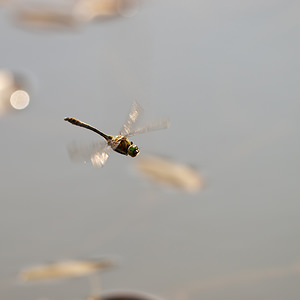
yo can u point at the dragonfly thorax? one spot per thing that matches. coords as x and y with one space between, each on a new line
122 145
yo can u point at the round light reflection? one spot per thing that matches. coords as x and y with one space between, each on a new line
19 99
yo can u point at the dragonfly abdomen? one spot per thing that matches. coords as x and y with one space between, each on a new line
87 126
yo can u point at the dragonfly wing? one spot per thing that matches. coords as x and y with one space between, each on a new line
135 111
161 124
96 152
99 159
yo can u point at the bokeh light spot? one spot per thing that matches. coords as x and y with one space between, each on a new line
19 99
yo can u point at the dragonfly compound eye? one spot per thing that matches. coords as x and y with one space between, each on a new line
133 150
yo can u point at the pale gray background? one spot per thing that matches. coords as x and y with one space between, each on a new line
227 75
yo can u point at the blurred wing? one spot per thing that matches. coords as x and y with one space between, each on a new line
161 124
97 152
99 159
135 111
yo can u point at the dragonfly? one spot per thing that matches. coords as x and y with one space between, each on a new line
99 152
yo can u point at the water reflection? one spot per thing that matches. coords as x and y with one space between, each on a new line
91 9
170 173
66 269
80 268
69 15
124 295
41 16
13 94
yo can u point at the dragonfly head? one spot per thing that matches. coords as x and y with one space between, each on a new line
133 150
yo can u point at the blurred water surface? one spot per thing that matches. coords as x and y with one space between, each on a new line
226 73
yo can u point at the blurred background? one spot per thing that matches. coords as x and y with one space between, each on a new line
226 73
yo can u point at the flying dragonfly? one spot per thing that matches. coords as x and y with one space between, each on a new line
99 152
